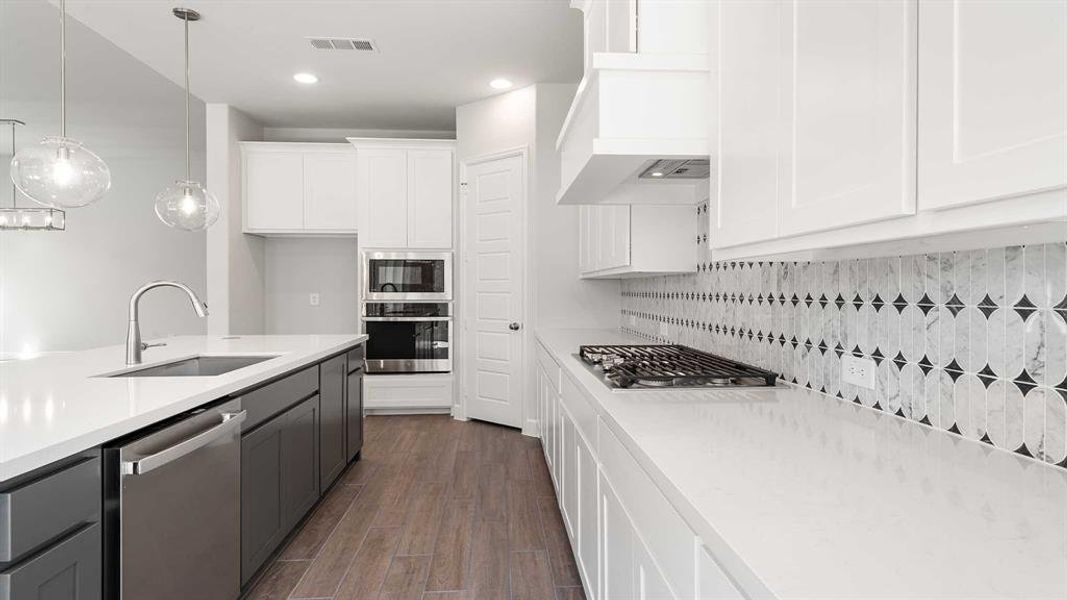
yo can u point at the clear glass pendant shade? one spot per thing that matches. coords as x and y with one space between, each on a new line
187 205
61 173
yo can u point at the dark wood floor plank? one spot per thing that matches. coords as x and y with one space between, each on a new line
396 501
531 576
465 474
457 595
564 570
450 566
489 561
367 572
329 566
279 580
311 537
570 593
406 578
524 519
492 492
539 471
420 533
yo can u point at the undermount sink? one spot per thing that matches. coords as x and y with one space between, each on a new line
196 366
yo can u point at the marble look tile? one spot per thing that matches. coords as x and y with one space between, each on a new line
1036 346
912 277
913 333
932 334
977 352
995 347
1014 343
971 277
996 424
1055 447
969 406
1014 274
932 276
995 281
1055 279
1034 421
913 392
1034 275
867 329
1056 350
891 340
1014 417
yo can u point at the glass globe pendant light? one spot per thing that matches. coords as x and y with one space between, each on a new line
60 172
187 204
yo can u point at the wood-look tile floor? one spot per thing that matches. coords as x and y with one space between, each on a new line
436 509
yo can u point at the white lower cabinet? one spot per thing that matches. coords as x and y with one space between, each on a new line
628 540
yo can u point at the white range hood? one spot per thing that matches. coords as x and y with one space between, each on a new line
636 132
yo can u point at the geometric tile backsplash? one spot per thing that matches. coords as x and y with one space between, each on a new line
973 342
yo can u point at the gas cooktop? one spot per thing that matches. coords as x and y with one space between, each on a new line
669 366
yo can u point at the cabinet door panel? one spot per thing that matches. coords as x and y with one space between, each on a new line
651 585
587 517
748 124
330 191
616 547
332 422
300 461
430 198
262 522
274 190
848 98
69 570
568 457
993 87
354 413
382 196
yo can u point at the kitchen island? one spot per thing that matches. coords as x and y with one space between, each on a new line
220 443
787 493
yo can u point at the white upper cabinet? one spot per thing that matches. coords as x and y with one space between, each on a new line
299 189
847 95
404 193
382 190
617 241
992 101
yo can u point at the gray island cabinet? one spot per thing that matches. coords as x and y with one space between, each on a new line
301 431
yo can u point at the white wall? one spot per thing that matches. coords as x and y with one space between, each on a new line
298 267
70 290
235 261
532 117
312 134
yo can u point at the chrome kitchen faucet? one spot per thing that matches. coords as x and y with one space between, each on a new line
134 346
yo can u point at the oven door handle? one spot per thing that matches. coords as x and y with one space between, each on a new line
404 319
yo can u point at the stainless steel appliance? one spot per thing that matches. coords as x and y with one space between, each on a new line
406 276
173 508
624 367
408 337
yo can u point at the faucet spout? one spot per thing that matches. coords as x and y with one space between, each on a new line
133 330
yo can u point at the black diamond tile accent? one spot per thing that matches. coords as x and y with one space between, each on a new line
1062 385
781 298
925 420
857 302
954 429
839 301
877 356
987 311
954 366
857 352
759 299
987 371
793 342
954 305
794 300
900 303
926 308
1024 382
781 339
985 438
899 358
808 300
1022 450
899 413
840 396
1062 304
1025 307
925 300
925 365
986 301
823 301
986 380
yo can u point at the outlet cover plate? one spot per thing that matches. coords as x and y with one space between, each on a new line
858 371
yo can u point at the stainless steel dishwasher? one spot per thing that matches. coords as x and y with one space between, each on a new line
173 509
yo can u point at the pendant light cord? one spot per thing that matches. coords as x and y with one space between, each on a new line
63 68
188 169
14 191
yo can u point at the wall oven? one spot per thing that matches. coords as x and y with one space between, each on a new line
404 276
408 337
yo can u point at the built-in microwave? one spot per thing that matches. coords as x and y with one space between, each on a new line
408 337
404 276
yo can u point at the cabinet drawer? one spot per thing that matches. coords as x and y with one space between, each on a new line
552 370
273 398
355 358
668 538
44 508
69 570
581 410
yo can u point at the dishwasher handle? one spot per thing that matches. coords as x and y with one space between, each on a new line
230 421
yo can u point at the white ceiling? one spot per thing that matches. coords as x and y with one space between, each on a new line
435 54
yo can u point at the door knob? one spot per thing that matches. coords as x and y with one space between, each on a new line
514 327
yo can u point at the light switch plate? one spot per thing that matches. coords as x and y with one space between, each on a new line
858 371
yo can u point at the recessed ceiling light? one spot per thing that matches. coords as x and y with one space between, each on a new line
657 174
500 84
307 78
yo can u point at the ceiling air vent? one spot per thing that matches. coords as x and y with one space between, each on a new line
692 168
357 44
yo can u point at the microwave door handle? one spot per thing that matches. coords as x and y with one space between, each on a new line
404 319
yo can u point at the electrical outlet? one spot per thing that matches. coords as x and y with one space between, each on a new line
858 371
313 299
663 329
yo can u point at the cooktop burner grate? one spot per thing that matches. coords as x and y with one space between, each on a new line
671 366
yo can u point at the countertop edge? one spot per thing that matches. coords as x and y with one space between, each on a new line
26 463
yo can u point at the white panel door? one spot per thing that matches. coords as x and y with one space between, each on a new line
382 186
993 99
274 190
330 191
748 123
494 202
430 198
848 97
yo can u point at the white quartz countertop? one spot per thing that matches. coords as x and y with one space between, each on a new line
804 496
56 406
